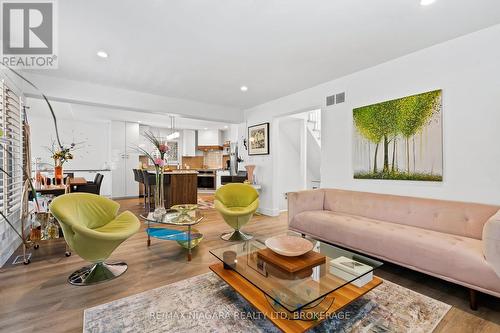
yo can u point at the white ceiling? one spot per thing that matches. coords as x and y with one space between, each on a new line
205 50
38 108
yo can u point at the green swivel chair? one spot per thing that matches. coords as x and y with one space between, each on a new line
236 203
93 230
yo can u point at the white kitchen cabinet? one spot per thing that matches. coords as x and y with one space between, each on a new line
131 159
189 143
124 158
218 176
209 138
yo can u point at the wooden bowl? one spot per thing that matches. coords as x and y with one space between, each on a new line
289 246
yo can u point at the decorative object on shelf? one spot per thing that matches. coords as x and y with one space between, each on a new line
184 209
52 229
289 246
159 158
348 269
58 173
258 137
234 159
229 259
291 264
401 139
196 238
250 169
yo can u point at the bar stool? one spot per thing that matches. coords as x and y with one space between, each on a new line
149 184
140 179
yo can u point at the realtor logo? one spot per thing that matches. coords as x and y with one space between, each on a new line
28 34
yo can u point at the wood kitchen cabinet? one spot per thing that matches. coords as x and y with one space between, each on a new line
180 188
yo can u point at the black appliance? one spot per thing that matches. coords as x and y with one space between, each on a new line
206 179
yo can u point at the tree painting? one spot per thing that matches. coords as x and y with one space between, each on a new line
399 139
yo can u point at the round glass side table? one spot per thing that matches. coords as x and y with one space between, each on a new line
186 238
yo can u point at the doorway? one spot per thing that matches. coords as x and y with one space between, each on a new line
299 154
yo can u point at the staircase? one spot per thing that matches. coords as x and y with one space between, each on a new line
313 149
314 125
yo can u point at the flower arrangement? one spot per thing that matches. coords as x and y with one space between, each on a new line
62 154
160 155
159 158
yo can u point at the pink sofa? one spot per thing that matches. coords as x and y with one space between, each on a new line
454 241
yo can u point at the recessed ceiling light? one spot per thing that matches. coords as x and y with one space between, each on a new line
138 121
102 54
426 2
244 88
205 128
226 126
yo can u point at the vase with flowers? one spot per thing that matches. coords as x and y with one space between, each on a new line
159 158
60 155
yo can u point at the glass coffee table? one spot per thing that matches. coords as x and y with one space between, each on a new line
188 237
298 300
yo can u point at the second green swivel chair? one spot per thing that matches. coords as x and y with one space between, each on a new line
93 229
236 203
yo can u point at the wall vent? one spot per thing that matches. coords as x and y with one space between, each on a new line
340 98
330 100
335 99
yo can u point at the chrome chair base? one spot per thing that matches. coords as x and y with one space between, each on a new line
97 273
236 235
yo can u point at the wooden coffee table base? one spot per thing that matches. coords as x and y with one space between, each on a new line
256 297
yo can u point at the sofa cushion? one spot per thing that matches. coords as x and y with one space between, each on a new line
444 255
453 217
491 242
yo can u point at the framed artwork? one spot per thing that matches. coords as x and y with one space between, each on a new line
400 139
258 139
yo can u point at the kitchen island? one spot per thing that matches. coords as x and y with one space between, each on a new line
180 187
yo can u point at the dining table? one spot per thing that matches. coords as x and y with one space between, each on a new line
61 188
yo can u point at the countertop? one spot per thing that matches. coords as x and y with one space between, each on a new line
85 170
178 172
75 170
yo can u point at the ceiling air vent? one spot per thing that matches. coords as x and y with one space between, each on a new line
330 100
340 98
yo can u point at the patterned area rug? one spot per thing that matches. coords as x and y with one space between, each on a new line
205 303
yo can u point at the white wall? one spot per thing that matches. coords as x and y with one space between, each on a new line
466 68
93 137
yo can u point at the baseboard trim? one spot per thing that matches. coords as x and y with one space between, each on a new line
269 211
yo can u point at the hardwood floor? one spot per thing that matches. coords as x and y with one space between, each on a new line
37 297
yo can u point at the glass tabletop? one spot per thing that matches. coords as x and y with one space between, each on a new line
174 217
304 288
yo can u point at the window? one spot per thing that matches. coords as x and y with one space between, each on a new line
11 158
